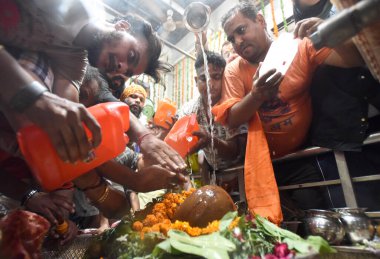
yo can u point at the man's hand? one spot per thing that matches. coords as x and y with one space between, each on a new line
306 27
154 177
204 139
265 87
156 151
62 121
50 205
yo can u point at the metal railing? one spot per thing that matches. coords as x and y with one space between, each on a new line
344 180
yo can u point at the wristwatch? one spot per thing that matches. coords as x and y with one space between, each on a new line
28 195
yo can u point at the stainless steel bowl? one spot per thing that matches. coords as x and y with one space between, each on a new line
357 225
324 223
197 16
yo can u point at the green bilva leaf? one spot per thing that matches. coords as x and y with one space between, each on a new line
273 230
226 220
211 240
300 245
166 247
206 252
320 245
312 243
212 246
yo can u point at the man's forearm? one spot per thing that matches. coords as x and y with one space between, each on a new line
243 111
125 176
118 173
345 55
136 129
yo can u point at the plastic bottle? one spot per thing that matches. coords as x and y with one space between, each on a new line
165 110
180 137
51 171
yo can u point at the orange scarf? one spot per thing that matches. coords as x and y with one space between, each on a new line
260 184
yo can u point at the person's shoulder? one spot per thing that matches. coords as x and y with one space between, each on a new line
306 44
236 65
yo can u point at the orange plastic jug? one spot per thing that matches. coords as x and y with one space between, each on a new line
50 171
180 137
165 110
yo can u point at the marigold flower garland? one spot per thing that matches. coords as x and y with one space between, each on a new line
160 220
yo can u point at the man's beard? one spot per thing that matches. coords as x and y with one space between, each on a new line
117 85
136 110
101 38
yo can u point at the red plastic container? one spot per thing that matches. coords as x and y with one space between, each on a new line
50 171
180 136
165 110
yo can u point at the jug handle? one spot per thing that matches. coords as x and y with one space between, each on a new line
126 138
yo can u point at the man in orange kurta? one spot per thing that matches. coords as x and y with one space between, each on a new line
277 107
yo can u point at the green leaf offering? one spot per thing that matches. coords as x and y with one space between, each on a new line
227 220
273 230
212 246
320 245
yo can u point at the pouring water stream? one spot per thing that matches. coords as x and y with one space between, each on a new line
211 121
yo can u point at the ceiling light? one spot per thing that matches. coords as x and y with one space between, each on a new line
169 24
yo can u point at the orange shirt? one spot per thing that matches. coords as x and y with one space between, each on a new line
285 119
279 127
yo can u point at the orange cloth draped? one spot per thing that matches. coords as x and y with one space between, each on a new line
260 184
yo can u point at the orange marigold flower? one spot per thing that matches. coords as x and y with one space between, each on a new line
167 222
194 232
155 228
170 213
145 229
150 220
158 207
234 223
161 216
137 226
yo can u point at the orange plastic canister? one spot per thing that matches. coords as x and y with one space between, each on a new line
165 110
180 137
51 171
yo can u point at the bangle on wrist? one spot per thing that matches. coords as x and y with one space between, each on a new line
104 196
28 196
26 96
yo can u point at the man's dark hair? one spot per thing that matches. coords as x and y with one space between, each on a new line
139 28
245 8
212 58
